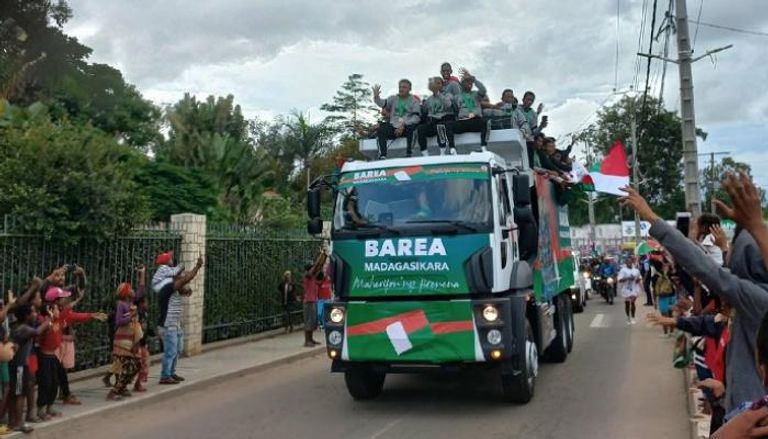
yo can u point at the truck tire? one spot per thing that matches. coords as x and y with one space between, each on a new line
363 383
570 323
519 388
557 351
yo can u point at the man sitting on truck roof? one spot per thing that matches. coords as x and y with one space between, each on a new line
439 110
470 117
404 111
507 114
533 115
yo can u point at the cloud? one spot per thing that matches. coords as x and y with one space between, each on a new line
294 54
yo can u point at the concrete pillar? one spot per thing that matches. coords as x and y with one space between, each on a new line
192 228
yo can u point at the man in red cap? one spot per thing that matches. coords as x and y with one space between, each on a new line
167 282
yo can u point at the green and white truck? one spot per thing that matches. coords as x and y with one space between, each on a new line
444 263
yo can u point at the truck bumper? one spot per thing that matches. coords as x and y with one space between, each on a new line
423 336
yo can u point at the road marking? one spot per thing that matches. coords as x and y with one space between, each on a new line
386 428
598 322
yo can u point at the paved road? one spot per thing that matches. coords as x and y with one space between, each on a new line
618 383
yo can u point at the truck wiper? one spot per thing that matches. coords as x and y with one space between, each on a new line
457 223
370 227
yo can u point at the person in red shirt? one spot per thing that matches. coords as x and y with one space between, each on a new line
324 291
68 318
311 271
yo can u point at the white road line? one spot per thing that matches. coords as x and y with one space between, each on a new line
386 428
598 322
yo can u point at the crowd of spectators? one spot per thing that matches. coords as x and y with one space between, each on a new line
38 339
716 292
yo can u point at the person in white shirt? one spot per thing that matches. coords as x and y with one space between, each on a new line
629 287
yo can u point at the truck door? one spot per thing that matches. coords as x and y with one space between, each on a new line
505 232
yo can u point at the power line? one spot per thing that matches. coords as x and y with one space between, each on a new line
638 62
732 29
648 66
696 34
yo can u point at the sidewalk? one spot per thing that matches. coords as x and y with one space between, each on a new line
210 367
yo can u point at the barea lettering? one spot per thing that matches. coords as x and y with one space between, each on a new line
405 247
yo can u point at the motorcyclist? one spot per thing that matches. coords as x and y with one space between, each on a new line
608 271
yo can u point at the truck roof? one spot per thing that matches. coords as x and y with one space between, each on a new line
508 144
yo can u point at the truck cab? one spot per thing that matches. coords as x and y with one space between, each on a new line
439 264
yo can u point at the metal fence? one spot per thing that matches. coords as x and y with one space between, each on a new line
244 266
107 263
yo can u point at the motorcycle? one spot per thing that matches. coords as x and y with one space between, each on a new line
605 287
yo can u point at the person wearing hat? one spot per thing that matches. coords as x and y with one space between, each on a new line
68 318
167 282
128 333
288 299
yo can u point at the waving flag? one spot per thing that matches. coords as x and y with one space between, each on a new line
612 172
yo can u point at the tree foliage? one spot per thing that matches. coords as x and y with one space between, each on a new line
39 62
66 180
352 110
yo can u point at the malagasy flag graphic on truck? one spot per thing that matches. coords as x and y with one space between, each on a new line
415 200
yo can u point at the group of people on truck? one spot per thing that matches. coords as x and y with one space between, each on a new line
455 106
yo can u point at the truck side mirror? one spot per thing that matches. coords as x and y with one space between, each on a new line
521 190
313 204
315 226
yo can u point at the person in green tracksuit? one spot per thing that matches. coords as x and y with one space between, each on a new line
470 112
404 114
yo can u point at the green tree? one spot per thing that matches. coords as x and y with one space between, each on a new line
39 62
352 110
171 189
713 177
305 142
214 138
65 180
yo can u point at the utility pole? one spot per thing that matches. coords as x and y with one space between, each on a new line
684 61
713 177
591 202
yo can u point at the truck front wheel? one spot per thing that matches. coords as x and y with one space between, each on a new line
363 382
518 388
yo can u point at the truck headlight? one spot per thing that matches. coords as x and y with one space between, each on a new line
337 315
494 336
490 313
334 338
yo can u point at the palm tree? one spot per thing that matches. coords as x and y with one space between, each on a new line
305 141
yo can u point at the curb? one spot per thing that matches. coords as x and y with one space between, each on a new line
174 391
157 358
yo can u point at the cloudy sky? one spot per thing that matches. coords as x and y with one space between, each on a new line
275 56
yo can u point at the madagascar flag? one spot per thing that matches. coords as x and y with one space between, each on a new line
612 172
410 335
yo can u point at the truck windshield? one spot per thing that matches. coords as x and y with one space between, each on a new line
455 196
